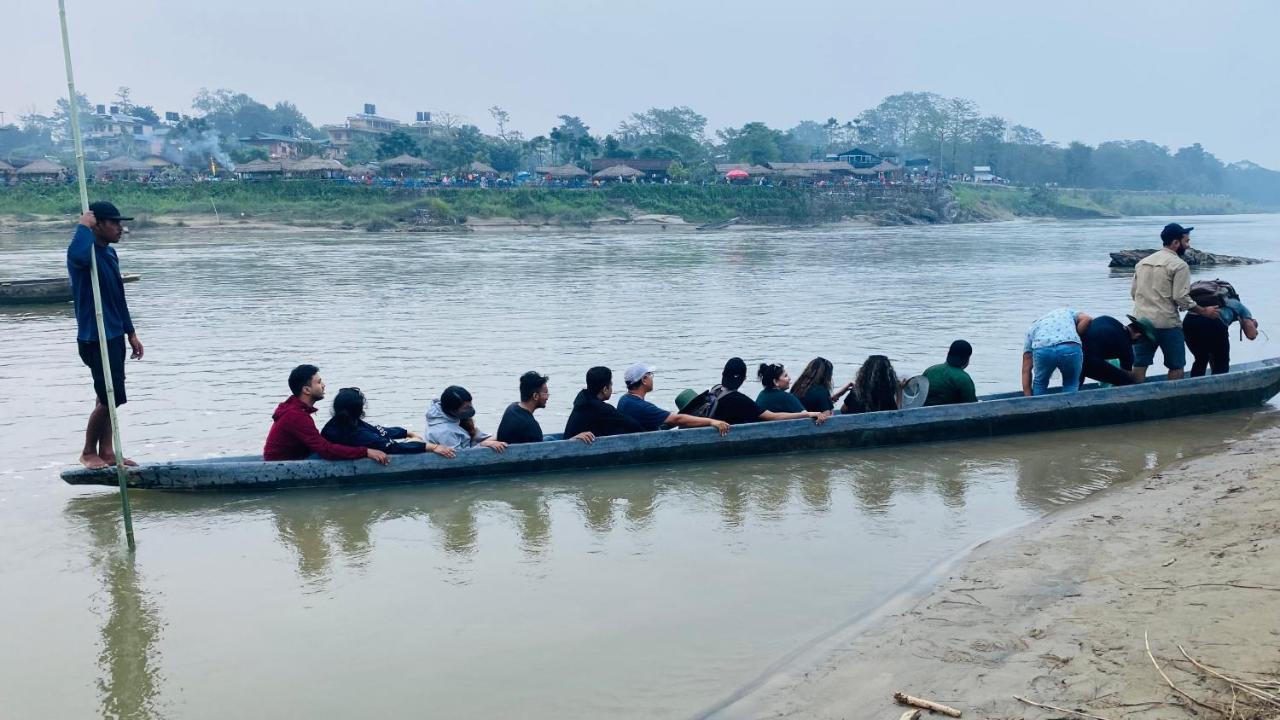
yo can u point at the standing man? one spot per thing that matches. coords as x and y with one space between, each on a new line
98 230
1161 290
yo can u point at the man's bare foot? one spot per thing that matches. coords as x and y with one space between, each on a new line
93 462
111 460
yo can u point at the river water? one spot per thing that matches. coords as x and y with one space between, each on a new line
633 593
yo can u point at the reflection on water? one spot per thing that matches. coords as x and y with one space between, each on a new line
129 659
782 501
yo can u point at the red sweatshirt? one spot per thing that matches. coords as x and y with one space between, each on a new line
294 436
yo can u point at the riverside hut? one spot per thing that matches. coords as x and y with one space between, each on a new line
480 168
121 168
568 171
42 171
619 173
259 170
314 167
406 164
752 171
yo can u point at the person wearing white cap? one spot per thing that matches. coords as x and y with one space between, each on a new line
639 380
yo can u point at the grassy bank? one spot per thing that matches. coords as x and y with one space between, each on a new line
995 202
337 204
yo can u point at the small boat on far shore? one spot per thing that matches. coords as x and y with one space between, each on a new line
1248 385
42 290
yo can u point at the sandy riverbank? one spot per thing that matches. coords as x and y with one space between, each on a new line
1057 611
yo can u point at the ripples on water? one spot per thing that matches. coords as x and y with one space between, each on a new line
644 592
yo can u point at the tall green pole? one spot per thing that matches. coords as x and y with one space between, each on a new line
97 290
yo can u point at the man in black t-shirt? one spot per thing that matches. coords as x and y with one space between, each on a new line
736 408
518 424
1106 338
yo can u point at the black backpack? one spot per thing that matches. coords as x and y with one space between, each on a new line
704 405
1213 293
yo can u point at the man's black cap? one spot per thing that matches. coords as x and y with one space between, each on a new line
104 210
1173 231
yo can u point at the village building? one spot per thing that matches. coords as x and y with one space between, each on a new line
278 147
112 132
983 174
752 171
42 171
860 158
367 124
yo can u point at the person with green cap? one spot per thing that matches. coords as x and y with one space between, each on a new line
1105 339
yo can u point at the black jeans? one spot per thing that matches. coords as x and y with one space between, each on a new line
1209 342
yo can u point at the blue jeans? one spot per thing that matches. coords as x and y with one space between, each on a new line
1066 358
1171 342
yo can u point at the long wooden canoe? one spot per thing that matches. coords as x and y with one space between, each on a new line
1249 385
42 290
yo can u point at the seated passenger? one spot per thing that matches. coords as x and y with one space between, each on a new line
451 422
813 387
949 384
518 424
875 388
592 412
293 434
774 395
1104 340
347 427
639 379
731 406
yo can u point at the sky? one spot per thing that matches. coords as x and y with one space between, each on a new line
1175 72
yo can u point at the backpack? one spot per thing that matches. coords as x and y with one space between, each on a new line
704 405
1213 293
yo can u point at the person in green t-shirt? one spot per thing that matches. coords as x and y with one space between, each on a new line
774 396
949 384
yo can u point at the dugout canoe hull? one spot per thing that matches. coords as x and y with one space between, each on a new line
42 290
1249 385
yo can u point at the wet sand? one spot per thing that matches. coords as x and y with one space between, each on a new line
1056 612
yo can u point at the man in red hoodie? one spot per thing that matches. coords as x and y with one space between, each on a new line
294 436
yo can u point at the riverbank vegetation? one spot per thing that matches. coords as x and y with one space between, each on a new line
339 204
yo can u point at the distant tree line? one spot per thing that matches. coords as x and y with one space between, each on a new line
951 133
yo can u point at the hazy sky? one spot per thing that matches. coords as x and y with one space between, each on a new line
1171 71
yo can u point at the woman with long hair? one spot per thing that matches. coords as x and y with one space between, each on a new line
875 388
813 387
348 427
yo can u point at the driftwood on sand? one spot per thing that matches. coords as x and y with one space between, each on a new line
906 699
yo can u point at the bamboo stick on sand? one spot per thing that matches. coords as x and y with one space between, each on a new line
906 699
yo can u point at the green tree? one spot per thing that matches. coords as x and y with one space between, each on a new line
1077 165
396 143
754 143
614 149
62 116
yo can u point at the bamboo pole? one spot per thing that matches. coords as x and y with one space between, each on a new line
97 290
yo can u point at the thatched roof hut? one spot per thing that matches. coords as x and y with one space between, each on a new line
258 168
618 172
748 168
568 171
406 162
40 170
314 167
121 167
157 162
6 167
480 168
